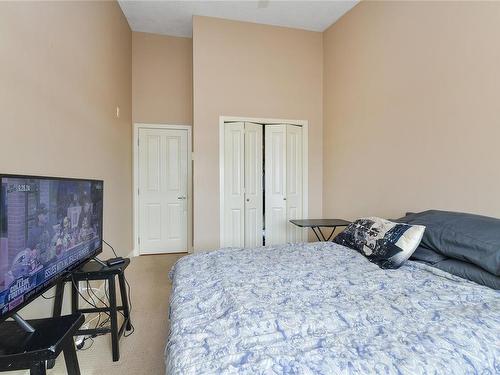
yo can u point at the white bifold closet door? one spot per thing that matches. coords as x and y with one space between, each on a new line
243 200
294 182
254 205
275 184
283 183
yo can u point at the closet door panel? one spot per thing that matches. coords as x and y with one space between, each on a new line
253 185
234 185
275 180
294 182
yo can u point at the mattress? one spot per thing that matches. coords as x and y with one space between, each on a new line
321 308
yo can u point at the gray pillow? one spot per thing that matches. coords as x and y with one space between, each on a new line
427 255
456 267
469 271
471 238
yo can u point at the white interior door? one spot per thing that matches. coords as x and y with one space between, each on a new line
275 182
253 185
163 190
294 182
234 183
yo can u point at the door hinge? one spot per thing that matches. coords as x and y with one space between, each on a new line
139 240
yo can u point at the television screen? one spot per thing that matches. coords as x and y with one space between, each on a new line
48 226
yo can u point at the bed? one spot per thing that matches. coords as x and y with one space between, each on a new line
322 308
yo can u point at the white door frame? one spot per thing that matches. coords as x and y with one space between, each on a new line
265 121
135 194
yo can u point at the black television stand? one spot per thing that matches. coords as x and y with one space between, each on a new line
100 261
97 271
20 349
23 323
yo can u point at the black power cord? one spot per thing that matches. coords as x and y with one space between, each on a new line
93 304
82 346
106 291
99 324
80 293
55 294
111 247
129 311
100 300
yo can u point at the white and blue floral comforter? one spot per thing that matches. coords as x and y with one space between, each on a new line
322 308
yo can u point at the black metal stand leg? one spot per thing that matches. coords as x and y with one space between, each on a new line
58 300
70 358
331 234
38 369
317 235
123 293
320 236
323 238
113 317
56 311
74 296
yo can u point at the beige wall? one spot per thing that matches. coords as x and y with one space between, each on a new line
162 79
245 69
408 93
411 109
64 68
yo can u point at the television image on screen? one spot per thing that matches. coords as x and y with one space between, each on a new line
48 227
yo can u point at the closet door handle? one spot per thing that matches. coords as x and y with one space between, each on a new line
284 198
181 198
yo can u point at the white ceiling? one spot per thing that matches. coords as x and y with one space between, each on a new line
175 17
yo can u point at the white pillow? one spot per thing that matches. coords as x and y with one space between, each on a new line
383 242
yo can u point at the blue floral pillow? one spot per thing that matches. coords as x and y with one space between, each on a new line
383 242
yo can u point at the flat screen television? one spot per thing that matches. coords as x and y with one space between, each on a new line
48 227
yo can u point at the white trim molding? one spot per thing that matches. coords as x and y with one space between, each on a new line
265 121
135 194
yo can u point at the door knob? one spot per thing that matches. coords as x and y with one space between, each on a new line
181 198
284 198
